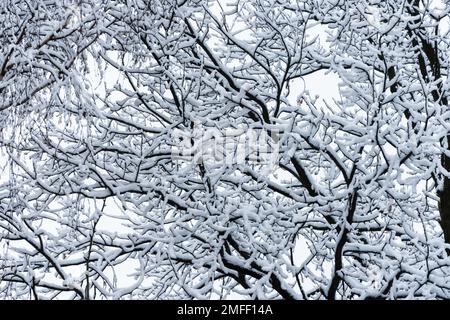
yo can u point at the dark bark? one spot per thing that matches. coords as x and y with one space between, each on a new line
338 263
430 53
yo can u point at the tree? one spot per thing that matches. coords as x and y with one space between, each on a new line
106 106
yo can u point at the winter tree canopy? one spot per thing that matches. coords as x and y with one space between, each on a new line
173 149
